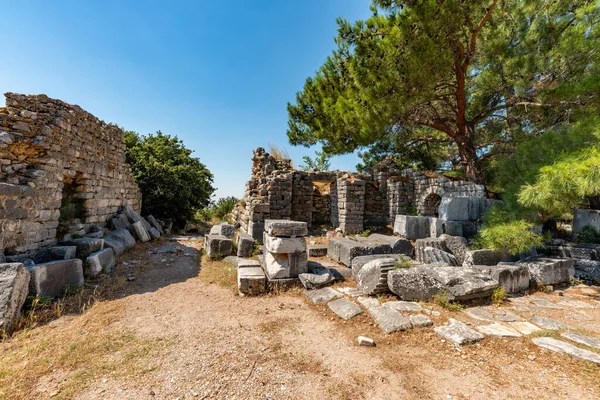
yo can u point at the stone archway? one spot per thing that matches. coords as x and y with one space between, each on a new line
429 203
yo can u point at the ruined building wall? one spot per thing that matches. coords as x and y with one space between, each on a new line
354 202
46 144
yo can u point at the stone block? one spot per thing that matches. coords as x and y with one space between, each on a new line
154 233
131 214
484 257
279 266
511 277
397 245
458 332
155 224
119 241
360 261
566 348
218 245
323 295
119 221
251 279
50 279
401 305
256 229
317 278
421 244
464 208
580 338
317 250
285 228
497 329
102 261
223 229
461 283
412 227
85 246
439 227
549 271
139 231
245 245
14 287
284 245
365 341
413 284
372 277
420 321
433 255
345 309
457 245
389 320
55 253
582 218
344 250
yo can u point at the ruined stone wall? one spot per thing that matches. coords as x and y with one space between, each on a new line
46 144
354 201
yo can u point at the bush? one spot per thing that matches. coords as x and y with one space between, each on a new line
218 211
173 183
588 234
501 233
499 295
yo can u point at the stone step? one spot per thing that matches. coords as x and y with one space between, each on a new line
458 332
344 308
323 295
566 348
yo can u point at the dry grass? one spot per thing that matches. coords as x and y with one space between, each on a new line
81 350
218 272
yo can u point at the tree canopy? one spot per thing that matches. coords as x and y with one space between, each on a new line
476 76
173 183
320 162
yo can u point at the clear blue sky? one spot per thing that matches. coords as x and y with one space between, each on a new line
218 74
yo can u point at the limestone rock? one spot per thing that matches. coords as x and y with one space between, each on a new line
85 246
409 306
155 224
245 245
316 278
140 231
365 341
398 245
360 261
422 244
413 284
345 309
14 287
566 348
283 245
50 279
463 284
102 261
433 255
457 245
412 227
285 228
582 339
317 250
223 229
154 233
372 278
484 257
290 265
218 245
420 321
458 332
499 330
524 327
513 278
251 278
119 241
323 295
389 320
549 271
547 323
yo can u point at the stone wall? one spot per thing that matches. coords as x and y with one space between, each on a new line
49 148
354 203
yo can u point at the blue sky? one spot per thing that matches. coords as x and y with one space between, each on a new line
216 74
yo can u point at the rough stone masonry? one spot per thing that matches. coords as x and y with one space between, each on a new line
51 151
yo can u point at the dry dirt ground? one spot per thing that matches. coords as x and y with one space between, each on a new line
179 331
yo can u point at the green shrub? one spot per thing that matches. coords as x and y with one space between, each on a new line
588 234
499 295
403 264
502 233
441 299
217 211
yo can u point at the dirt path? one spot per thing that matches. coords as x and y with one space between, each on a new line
182 337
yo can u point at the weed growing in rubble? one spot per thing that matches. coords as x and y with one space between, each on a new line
403 264
441 299
499 295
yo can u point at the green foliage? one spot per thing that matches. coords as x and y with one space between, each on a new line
588 234
173 183
321 162
572 182
403 264
441 299
217 211
499 295
512 236
472 77
365 233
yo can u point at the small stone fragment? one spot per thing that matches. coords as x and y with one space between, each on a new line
420 321
365 341
458 332
345 309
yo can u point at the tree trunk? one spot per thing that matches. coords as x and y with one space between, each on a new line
469 160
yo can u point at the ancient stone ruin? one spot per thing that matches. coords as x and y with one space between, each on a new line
352 202
68 200
62 169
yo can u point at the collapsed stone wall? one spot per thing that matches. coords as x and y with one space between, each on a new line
355 201
46 147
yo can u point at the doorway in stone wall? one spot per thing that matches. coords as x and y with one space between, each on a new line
431 205
321 212
72 207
